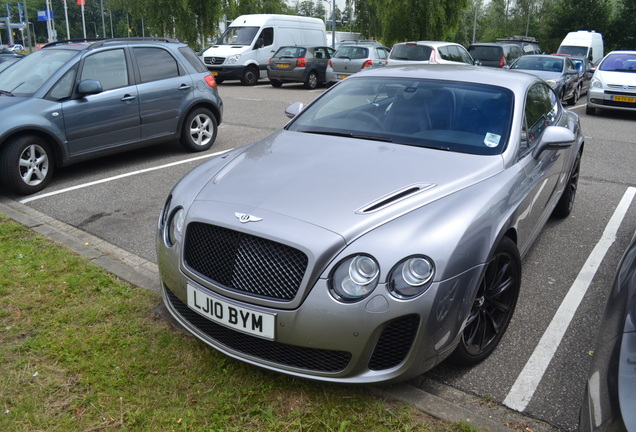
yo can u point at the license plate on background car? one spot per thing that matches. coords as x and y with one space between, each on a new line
215 73
236 317
629 99
282 66
342 76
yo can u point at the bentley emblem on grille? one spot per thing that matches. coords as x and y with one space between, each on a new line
245 218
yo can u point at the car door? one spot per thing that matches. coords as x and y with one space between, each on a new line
164 90
321 58
571 77
110 118
542 109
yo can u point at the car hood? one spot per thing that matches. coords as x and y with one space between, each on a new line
344 185
618 78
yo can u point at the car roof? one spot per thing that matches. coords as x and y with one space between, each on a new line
518 81
433 44
85 44
622 52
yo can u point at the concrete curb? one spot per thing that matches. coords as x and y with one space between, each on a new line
145 274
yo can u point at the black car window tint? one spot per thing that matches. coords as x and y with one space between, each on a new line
107 67
267 34
155 64
541 110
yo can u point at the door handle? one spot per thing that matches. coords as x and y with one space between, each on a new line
128 97
184 87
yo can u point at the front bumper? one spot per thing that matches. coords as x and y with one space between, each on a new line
611 99
380 339
234 72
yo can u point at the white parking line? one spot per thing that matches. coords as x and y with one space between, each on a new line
109 179
528 380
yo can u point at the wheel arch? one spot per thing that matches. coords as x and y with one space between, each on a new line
216 111
60 155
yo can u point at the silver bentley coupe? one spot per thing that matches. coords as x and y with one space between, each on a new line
380 231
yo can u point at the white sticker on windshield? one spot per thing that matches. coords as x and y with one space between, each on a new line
492 140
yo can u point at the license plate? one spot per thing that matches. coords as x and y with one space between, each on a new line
215 73
629 99
236 317
282 66
342 76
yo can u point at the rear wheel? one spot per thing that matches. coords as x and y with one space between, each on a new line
590 110
199 130
493 306
26 164
312 81
250 76
276 83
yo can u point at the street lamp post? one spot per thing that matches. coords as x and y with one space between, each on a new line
333 21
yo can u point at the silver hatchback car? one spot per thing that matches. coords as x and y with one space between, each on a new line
352 58
390 236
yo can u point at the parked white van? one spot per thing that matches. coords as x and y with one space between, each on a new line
583 43
244 49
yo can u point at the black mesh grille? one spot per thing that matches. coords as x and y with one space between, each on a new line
244 262
395 343
213 60
288 355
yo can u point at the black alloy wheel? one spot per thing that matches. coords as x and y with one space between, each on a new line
566 202
493 306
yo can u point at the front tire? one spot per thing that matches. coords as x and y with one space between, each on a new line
493 306
566 202
199 130
26 164
575 97
590 110
250 76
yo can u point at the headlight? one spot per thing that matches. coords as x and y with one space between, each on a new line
232 59
596 83
355 278
411 277
552 83
174 229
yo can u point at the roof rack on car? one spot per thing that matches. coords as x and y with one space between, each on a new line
518 38
97 42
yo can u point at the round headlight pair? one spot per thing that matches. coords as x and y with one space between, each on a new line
357 276
174 227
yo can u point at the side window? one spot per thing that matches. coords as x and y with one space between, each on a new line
107 67
63 88
444 52
541 110
267 34
381 53
465 56
155 64
321 53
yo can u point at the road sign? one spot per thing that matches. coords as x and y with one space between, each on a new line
45 15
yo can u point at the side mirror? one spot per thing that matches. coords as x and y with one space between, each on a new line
554 138
89 86
294 109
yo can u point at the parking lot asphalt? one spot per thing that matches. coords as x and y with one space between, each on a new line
431 397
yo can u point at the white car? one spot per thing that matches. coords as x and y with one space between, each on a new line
17 48
614 83
428 52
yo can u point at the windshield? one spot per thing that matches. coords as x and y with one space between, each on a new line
25 77
546 64
238 36
445 115
573 50
619 63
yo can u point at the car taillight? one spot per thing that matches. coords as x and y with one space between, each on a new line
502 61
366 64
329 63
300 62
209 79
269 62
434 57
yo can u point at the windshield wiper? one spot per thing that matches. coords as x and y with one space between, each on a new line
349 135
5 93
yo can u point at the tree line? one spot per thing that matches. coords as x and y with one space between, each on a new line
198 22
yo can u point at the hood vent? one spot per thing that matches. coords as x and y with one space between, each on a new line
394 198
